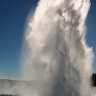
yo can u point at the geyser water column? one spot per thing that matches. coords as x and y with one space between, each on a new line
58 52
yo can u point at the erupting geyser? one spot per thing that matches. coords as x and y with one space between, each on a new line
61 60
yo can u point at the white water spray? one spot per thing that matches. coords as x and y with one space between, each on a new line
61 59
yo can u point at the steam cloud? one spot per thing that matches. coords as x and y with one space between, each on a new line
61 60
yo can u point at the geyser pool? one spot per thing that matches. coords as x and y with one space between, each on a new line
58 53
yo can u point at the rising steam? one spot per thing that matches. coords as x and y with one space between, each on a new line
58 54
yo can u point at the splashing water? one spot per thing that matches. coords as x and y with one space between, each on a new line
61 60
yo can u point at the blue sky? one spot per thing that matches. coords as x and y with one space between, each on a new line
13 15
91 30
